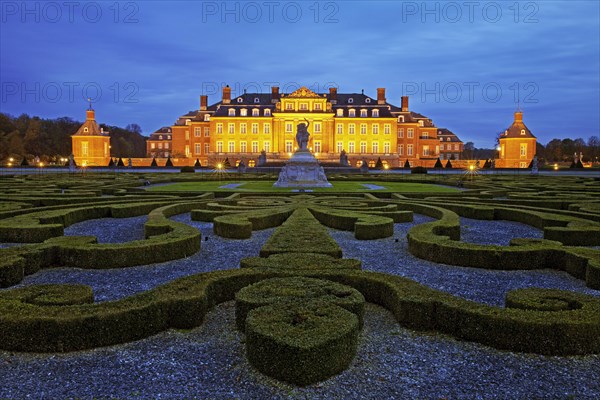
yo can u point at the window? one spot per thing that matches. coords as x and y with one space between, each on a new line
169 137
317 127
367 100
243 112
363 147
219 128
425 150
86 129
425 135
197 132
409 149
522 164
266 127
340 129
455 146
350 100
254 128
197 148
317 106
441 147
187 150
375 147
523 150
152 145
386 147
522 131
243 128
401 149
420 122
206 117
256 100
187 135
289 106
351 129
232 112
371 164
375 129
166 145
339 147
303 106
206 131
410 133
447 139
387 129
375 113
401 132
84 148
231 146
363 113
219 147
340 112
350 147
160 137
363 129
267 112
206 148
502 151
243 148
267 146
317 146
437 149
240 100
251 163
255 112
352 113
231 128
401 118
288 127
160 145
255 147
288 146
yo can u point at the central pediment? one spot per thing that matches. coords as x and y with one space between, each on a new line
303 92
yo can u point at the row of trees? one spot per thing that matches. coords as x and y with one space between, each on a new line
557 150
49 139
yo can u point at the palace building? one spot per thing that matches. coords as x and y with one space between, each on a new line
366 128
517 145
90 144
159 143
451 147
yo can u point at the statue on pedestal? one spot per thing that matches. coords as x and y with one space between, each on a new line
302 135
262 159
344 159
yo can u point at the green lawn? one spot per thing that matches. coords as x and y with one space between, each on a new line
267 186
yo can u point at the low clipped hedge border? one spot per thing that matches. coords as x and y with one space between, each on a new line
183 304
365 226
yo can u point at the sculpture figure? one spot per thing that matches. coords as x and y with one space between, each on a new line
302 135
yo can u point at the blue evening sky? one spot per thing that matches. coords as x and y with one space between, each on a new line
465 64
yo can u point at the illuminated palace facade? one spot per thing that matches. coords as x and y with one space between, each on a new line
242 127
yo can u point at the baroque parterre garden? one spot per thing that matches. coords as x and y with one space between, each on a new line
221 287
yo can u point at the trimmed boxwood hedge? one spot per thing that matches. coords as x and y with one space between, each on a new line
365 226
301 343
286 291
308 261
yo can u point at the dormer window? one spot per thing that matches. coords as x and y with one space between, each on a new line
169 137
289 106
420 122
255 112
363 113
206 117
243 112
447 139
86 129
375 113
350 100
367 100
522 131
340 112
303 106
232 112
352 113
317 106
401 118
267 112
240 100
256 100
159 137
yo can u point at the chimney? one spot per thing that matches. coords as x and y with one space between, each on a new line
380 95
333 95
274 94
226 95
90 115
519 116
203 102
405 103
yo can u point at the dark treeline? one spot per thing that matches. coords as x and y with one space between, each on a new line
50 139
557 150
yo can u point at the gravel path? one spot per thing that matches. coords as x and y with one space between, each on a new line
110 230
482 285
209 363
495 232
215 254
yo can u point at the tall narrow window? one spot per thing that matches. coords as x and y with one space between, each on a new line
317 144
243 128
363 147
340 129
243 148
219 128
197 148
231 147
351 147
375 128
219 147
351 129
84 148
340 147
267 146
197 131
231 128
409 150
267 127
386 147
375 147
288 146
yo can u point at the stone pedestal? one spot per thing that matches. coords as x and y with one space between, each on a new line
302 171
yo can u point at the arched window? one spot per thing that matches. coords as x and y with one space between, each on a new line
243 112
352 112
401 118
255 112
375 113
363 113
522 131
340 112
206 117
420 122
267 112
232 112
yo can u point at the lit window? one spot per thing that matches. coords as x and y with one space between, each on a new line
255 112
523 150
206 131
288 127
267 146
409 149
152 145
254 128
288 146
363 129
206 148
375 113
84 148
317 106
303 106
425 150
231 147
350 147
317 127
197 132
340 147
266 127
340 129
289 106
375 129
425 135
375 147
166 145
243 112
317 145
231 128
255 147
410 133
363 113
401 132
219 128
387 129
371 164
401 149
352 113
340 112
219 147
386 147
160 137
251 163
197 148
351 129
267 112
232 112
363 147
243 147
420 122
242 128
